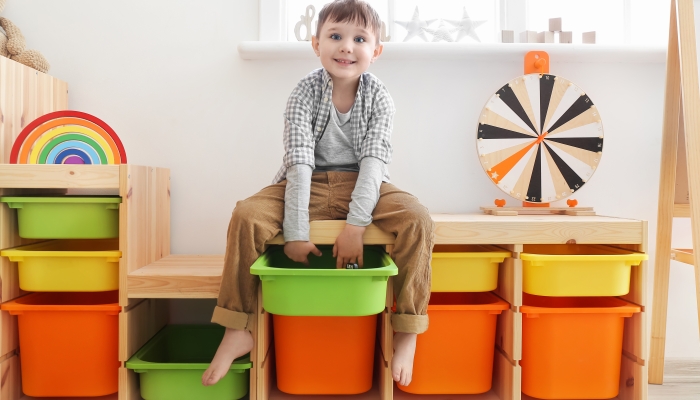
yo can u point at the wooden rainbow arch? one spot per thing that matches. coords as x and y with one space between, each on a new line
68 137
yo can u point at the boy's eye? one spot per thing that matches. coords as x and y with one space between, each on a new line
360 39
335 36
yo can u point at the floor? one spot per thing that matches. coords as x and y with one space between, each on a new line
681 381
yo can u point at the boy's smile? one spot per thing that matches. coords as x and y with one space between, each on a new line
346 49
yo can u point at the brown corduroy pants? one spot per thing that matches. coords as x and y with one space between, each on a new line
258 219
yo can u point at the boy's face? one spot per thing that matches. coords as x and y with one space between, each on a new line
346 49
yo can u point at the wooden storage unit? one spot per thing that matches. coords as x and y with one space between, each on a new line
194 276
144 238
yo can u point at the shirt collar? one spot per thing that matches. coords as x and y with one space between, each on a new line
327 80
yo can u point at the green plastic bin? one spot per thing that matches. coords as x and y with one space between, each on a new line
170 366
293 289
66 217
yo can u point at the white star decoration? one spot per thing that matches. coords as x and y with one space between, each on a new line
442 33
466 27
415 27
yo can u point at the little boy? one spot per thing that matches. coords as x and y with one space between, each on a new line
338 125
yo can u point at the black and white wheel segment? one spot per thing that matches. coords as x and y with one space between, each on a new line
540 138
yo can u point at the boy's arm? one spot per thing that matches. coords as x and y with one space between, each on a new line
298 135
296 203
366 193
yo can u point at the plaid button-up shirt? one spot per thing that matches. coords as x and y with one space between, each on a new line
308 112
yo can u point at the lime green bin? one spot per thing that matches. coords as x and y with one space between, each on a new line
294 289
170 366
66 217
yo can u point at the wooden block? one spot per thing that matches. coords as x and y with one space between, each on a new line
129 385
508 334
510 281
528 37
588 37
566 37
10 385
506 377
139 324
507 36
545 37
555 24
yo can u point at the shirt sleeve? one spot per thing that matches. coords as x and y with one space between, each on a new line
298 136
377 141
295 226
366 193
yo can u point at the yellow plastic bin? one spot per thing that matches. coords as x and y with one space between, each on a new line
466 268
561 270
68 265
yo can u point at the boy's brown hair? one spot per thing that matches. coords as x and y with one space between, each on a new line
355 11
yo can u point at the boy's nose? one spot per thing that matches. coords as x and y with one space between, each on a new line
346 46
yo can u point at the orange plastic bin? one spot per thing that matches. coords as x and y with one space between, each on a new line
68 342
572 346
455 354
324 355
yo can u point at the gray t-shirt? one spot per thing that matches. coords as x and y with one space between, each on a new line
334 152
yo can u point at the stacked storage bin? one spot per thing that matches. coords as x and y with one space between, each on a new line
170 365
324 319
455 355
68 330
572 322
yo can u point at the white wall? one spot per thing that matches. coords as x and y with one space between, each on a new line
167 77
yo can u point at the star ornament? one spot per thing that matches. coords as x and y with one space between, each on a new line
442 33
466 27
415 27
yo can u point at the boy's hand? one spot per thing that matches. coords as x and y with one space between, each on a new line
299 251
348 246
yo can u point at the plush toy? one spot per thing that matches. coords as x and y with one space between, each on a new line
13 46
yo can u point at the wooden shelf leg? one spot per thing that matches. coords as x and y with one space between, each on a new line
672 116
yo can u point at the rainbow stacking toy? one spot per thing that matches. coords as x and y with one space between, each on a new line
68 137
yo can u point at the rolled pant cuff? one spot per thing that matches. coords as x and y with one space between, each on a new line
408 323
230 319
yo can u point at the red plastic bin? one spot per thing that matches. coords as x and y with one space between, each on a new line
572 346
69 343
455 354
324 355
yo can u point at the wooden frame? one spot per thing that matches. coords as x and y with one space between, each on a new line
193 276
679 194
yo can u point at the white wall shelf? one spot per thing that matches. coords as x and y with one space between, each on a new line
508 52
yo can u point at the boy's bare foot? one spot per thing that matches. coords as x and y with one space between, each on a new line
234 344
402 361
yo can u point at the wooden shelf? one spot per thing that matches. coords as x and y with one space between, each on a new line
24 176
178 276
199 276
683 255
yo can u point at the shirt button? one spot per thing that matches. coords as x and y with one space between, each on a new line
325 99
318 129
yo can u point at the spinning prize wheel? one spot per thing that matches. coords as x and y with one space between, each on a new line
540 138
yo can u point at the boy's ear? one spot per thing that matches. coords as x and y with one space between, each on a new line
314 45
377 52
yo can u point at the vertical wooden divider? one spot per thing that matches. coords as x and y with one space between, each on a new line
144 237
